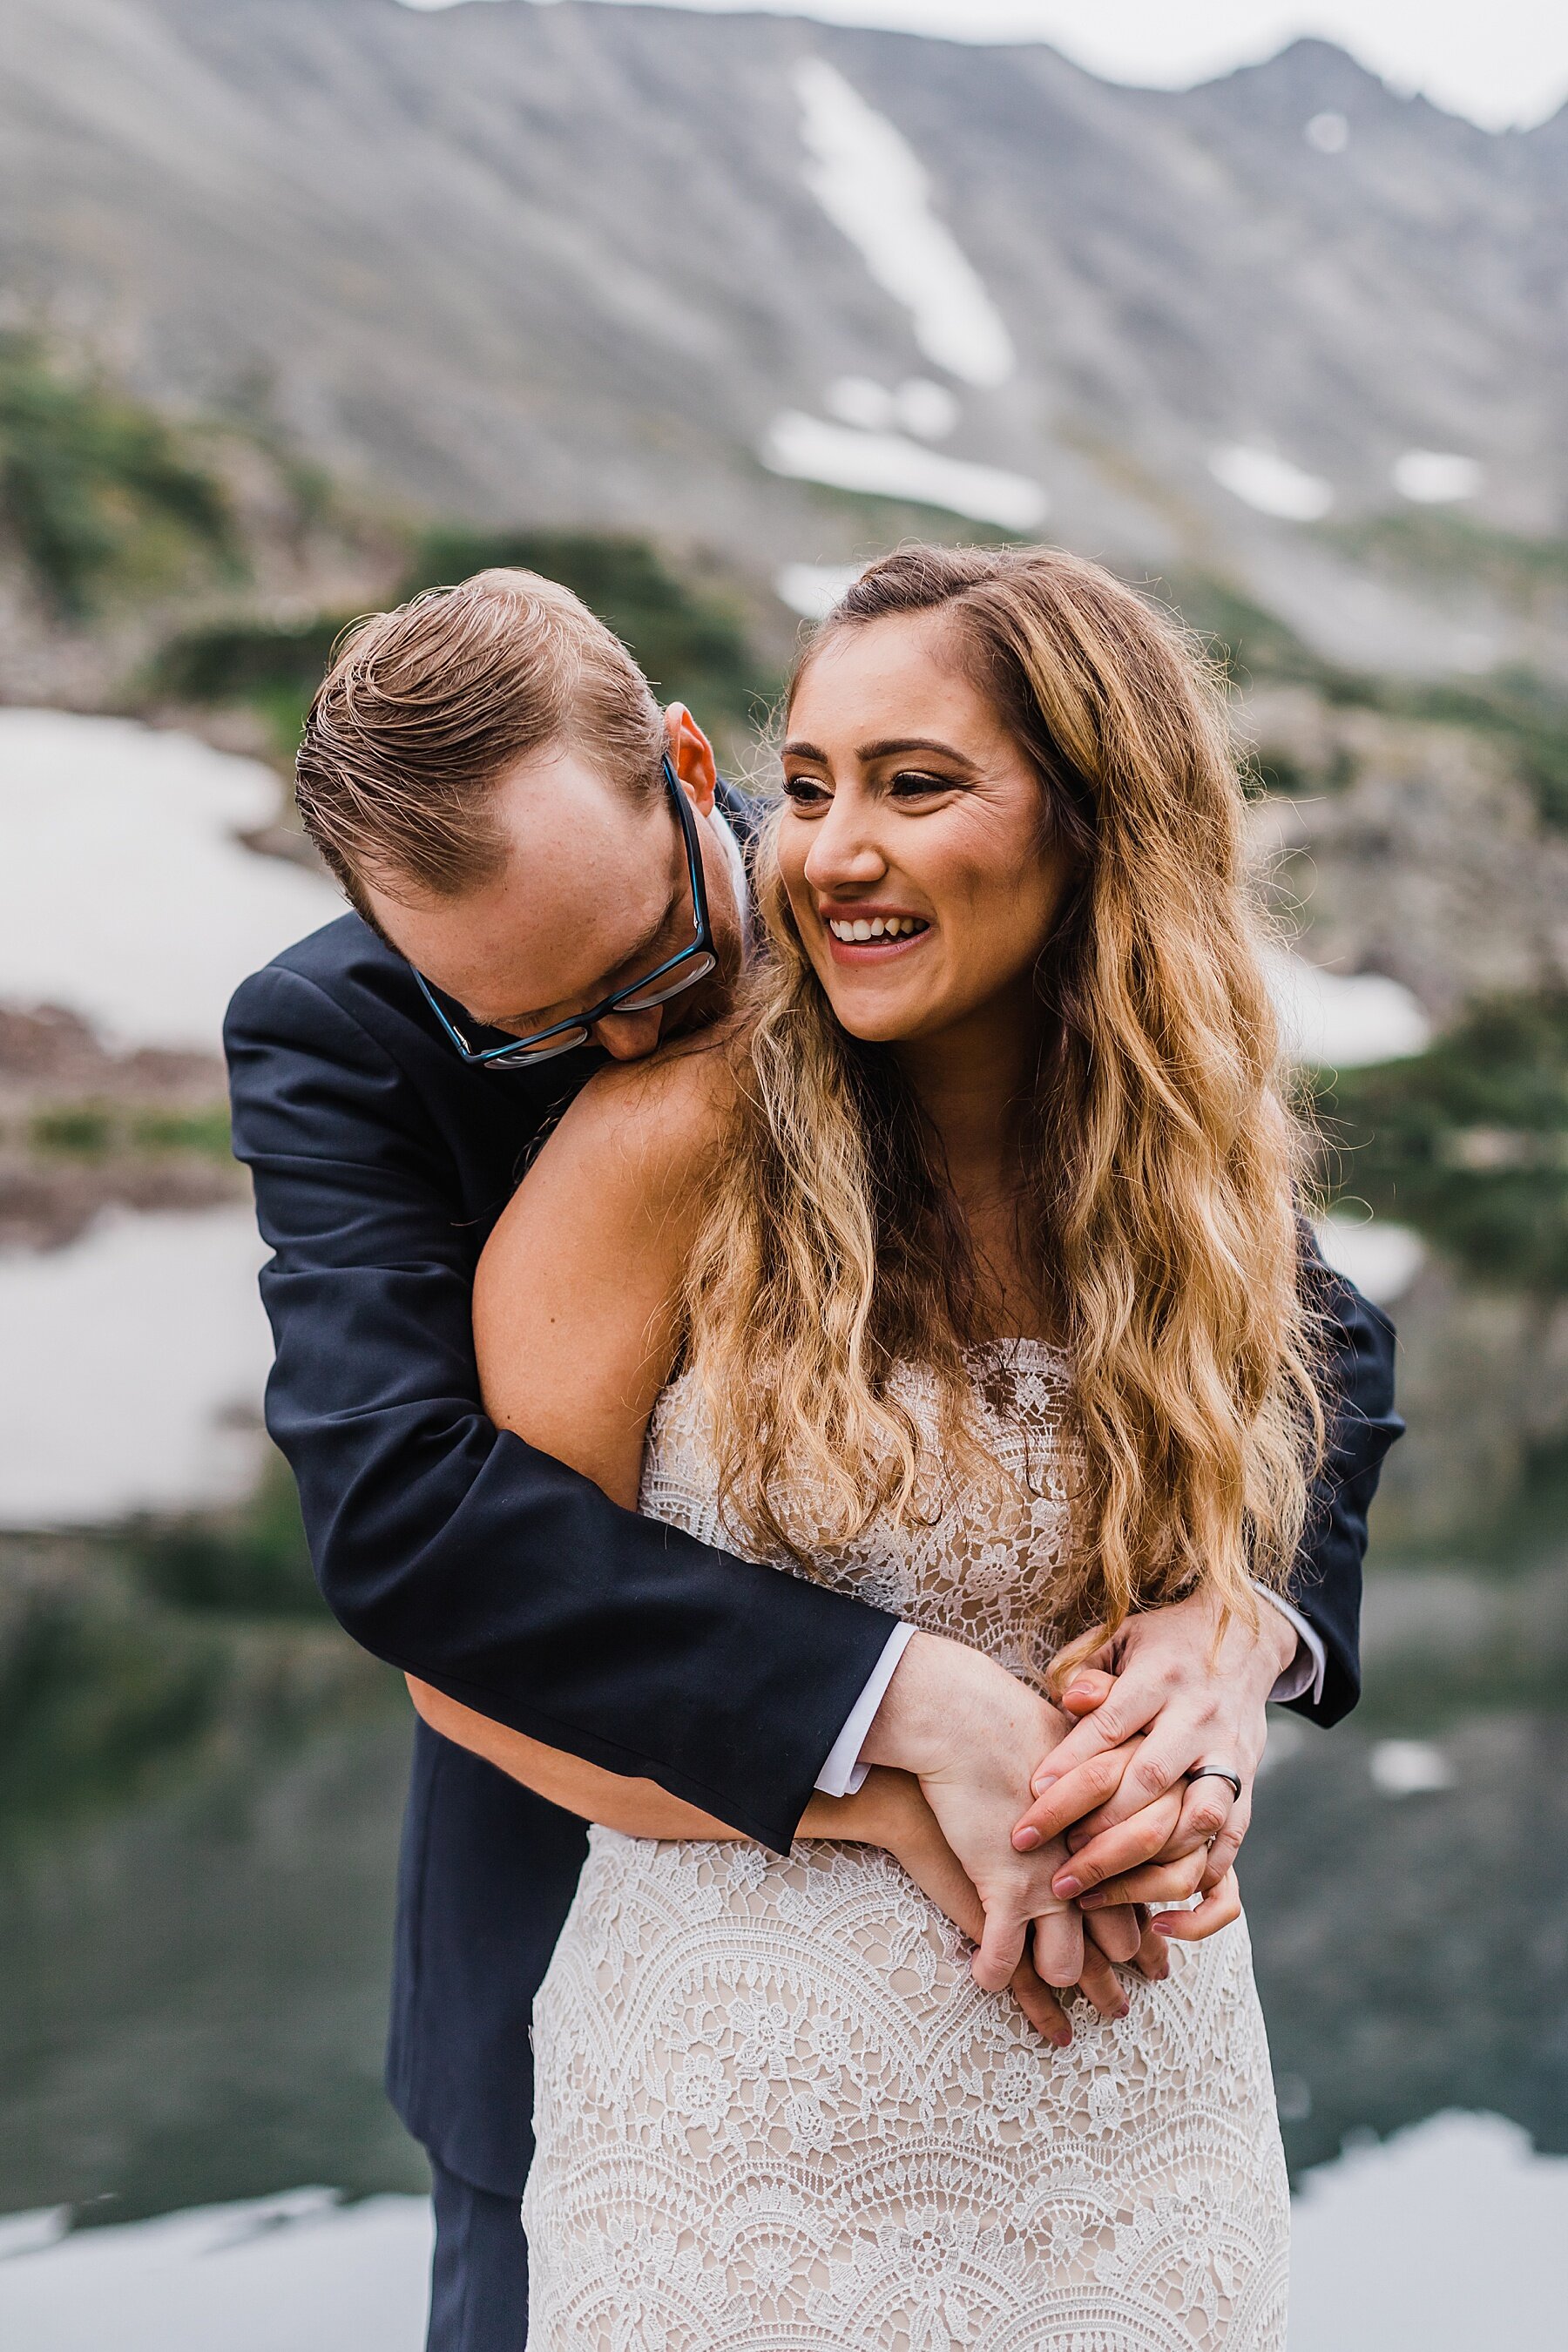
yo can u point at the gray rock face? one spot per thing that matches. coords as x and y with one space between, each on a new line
1411 849
565 264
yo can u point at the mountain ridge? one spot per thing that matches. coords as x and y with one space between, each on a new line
566 265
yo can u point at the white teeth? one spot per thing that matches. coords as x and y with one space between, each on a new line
891 926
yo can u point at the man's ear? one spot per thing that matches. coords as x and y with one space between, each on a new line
692 756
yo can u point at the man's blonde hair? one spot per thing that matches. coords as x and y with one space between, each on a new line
424 708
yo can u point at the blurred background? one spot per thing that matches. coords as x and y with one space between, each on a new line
307 303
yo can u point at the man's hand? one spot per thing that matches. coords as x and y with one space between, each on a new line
1193 1701
973 1734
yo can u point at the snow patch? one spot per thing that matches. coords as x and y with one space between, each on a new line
1329 133
888 466
1337 1022
857 400
1435 478
873 186
1449 2235
1262 478
812 590
1382 1260
927 410
1409 1768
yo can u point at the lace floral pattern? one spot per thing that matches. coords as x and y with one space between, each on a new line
774 2113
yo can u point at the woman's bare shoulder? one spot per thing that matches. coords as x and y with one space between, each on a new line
633 1146
658 1117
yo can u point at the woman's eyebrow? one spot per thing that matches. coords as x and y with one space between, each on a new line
887 747
891 747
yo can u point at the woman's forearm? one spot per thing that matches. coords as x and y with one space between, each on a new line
641 1808
636 1808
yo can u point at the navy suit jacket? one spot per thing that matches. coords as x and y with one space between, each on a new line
459 1554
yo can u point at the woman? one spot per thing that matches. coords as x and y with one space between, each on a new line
962 1272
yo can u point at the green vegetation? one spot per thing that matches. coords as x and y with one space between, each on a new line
273 667
72 1131
1246 640
1470 1140
101 1130
98 492
688 637
1434 543
1524 714
249 1563
124 1659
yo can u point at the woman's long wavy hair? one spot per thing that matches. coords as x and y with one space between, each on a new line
1159 1155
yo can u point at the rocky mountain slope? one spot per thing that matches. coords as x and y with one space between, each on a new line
783 290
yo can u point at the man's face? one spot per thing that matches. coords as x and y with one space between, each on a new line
591 895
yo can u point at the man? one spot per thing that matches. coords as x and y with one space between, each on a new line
485 770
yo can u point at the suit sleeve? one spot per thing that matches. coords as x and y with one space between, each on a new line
452 1549
1357 1373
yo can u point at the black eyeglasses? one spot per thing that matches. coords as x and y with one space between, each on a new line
679 971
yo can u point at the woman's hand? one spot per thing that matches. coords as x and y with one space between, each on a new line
1189 1694
1179 1870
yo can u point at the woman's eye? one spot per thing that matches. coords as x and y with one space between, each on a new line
913 784
805 791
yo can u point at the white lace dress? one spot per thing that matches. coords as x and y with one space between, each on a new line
774 2112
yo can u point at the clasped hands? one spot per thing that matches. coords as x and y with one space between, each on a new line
1053 1835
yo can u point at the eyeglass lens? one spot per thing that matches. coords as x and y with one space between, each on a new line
698 966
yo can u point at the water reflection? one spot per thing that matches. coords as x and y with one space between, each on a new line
192 1986
193 1993
151 1327
126 891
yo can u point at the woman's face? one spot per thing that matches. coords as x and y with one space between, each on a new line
910 845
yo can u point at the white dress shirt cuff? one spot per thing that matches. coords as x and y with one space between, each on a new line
1306 1670
843 1773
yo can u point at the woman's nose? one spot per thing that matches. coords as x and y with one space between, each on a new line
844 850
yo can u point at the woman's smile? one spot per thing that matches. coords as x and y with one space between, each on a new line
860 932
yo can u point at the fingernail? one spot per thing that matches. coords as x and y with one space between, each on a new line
1162 1927
1125 2008
1092 1902
1062 2040
1066 1888
1026 1841
1042 1781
